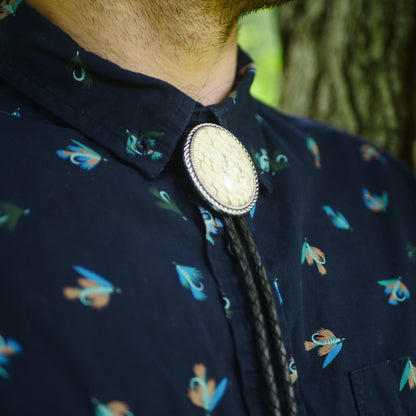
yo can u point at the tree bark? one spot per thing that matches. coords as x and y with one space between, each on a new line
352 64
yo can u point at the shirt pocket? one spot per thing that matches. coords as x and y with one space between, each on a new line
377 389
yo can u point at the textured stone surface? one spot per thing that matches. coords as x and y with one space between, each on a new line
223 167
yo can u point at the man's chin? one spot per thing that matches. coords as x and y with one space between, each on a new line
253 5
249 6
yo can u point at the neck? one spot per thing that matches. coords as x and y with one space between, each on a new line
180 42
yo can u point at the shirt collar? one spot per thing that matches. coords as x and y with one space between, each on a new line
139 118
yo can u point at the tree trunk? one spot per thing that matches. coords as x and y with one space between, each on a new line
352 63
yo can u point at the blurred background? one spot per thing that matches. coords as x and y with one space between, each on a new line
351 64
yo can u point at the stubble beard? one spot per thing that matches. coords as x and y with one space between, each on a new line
230 11
171 16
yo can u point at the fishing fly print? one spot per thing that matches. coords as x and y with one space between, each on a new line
337 219
278 161
314 255
396 289
293 371
227 307
374 202
276 286
314 150
144 144
8 348
16 113
10 215
8 7
191 279
114 408
80 155
370 153
233 95
205 393
93 291
166 202
408 376
411 251
327 343
79 72
212 225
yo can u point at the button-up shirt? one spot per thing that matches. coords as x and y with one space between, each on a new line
119 294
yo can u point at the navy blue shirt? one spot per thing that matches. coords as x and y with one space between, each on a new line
119 294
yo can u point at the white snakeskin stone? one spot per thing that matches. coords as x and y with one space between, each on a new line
223 167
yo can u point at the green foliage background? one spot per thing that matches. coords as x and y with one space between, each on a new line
259 37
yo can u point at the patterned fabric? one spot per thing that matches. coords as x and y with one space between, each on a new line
118 292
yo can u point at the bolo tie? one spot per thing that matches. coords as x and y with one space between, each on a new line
223 173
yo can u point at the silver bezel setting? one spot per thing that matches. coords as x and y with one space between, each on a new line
189 160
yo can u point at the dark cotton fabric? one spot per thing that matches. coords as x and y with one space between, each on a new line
119 294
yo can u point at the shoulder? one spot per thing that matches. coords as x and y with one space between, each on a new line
339 148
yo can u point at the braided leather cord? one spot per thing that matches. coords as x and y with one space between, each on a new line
259 324
273 320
